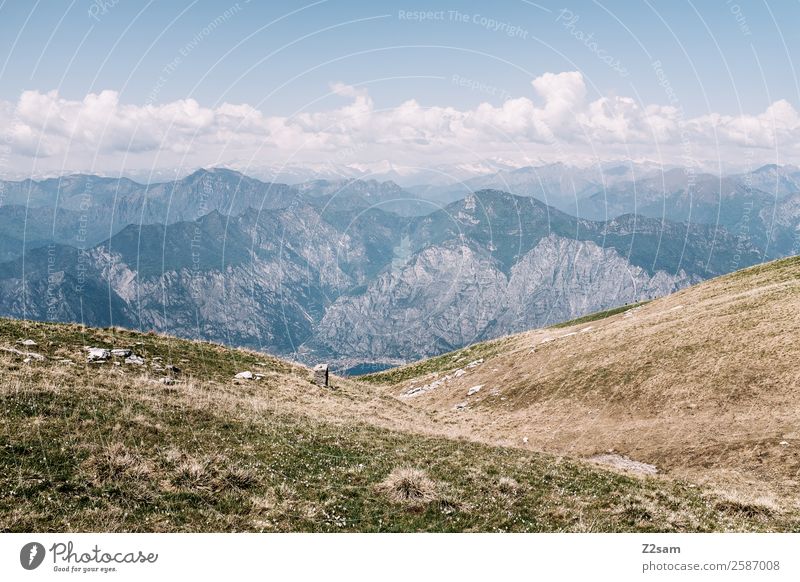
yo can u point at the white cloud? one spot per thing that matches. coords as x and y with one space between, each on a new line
48 130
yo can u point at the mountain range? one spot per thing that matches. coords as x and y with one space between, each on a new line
367 273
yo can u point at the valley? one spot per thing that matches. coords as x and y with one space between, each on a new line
364 274
664 416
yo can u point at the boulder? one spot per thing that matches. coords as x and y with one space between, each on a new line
97 354
321 374
121 352
134 360
246 375
27 342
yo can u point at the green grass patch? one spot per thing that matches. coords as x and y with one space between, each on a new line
598 315
444 363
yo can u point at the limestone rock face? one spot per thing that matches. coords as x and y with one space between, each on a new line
317 276
451 296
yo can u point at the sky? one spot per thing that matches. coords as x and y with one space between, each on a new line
112 86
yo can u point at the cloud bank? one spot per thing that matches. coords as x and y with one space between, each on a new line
558 121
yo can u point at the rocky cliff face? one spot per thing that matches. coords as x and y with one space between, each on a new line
452 295
359 285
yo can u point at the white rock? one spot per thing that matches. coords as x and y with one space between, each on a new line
458 373
25 354
121 352
460 406
28 342
525 440
135 360
167 380
475 363
26 360
246 375
97 354
783 444
474 390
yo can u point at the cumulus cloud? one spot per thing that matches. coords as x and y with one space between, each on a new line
42 126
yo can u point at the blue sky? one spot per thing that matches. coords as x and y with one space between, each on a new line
727 58
86 55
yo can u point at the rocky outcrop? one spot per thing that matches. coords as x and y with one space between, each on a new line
453 295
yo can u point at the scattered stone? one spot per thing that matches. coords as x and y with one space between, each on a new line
784 444
167 380
246 375
27 342
175 370
121 352
134 360
66 361
97 354
460 406
31 355
524 440
321 374
414 390
474 390
117 364
26 360
474 364
621 462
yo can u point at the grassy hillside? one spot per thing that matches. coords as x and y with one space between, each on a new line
112 446
703 384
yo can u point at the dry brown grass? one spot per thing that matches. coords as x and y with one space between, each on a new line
115 462
703 384
508 486
409 487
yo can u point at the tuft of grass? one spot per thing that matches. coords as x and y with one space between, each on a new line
508 486
116 462
408 486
